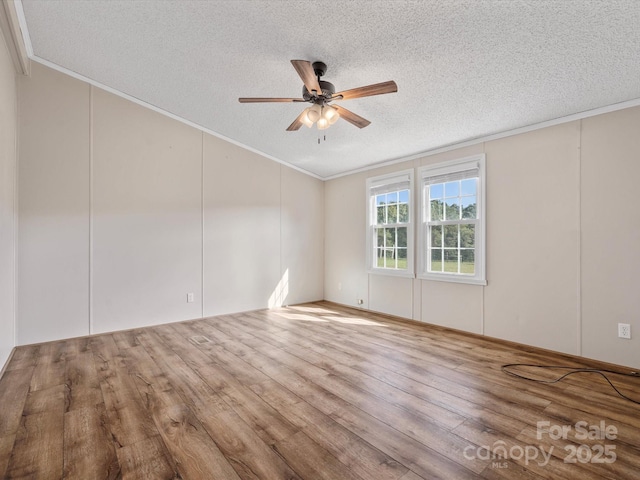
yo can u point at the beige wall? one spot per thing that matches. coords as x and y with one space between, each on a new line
53 207
242 228
146 216
610 219
562 236
532 238
124 211
8 129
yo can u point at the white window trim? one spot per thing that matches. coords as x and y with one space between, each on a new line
480 267
372 182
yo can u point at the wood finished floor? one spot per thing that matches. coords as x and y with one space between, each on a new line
316 391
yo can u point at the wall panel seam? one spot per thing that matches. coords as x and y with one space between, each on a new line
202 224
16 217
91 125
579 246
15 220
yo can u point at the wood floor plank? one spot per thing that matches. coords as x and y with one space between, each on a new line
24 357
82 381
6 447
405 449
419 427
129 420
497 442
125 339
38 448
89 450
310 460
310 391
395 396
146 460
14 386
49 370
249 455
195 453
364 459
264 420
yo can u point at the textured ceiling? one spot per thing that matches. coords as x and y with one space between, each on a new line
464 69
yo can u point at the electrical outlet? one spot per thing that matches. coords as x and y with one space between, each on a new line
189 297
624 330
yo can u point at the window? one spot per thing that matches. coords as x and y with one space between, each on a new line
390 229
452 232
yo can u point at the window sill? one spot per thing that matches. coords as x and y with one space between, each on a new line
452 278
392 273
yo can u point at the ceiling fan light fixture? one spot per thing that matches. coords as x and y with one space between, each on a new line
331 114
323 123
314 113
305 118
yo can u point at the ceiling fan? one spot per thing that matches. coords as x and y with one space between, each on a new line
321 93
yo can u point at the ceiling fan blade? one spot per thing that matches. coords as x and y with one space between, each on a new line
368 91
261 100
351 117
308 76
297 123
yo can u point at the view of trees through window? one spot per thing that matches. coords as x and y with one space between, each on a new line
451 226
392 218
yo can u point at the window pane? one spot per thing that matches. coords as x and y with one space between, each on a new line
403 212
402 258
468 205
436 191
436 260
468 186
451 236
381 199
453 209
380 258
467 260
381 213
380 238
402 237
390 237
436 236
392 197
403 196
452 189
392 213
451 260
436 210
467 236
390 261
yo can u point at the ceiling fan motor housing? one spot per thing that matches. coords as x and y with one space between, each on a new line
327 92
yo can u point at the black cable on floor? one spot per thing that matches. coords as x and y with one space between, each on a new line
572 370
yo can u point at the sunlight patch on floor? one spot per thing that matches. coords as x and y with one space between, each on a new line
299 317
308 309
354 321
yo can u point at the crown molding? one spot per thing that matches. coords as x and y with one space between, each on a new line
10 11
